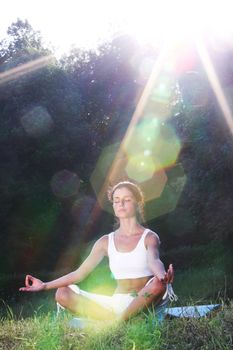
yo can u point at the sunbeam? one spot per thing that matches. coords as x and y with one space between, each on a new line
24 69
137 115
214 81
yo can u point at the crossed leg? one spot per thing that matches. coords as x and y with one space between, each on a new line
80 305
150 294
153 292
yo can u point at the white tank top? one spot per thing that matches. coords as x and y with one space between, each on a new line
133 264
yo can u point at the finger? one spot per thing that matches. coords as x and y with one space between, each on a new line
28 280
171 273
171 268
25 289
169 279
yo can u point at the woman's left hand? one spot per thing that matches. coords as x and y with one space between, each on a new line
168 276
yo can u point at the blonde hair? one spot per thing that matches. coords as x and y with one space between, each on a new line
137 193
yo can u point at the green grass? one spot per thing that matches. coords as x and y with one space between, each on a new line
30 324
204 274
202 286
46 332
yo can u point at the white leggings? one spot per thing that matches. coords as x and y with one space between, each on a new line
118 302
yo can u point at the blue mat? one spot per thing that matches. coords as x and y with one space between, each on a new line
191 311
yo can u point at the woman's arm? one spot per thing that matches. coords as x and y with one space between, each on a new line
97 253
154 262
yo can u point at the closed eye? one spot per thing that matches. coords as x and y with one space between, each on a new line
116 201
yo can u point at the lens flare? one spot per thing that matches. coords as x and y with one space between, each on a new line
82 209
141 167
170 195
143 137
215 83
151 147
161 93
145 69
37 122
65 184
154 187
26 68
98 181
167 146
131 145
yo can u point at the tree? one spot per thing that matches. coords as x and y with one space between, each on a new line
22 39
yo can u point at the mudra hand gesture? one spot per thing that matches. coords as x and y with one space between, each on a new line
168 276
32 284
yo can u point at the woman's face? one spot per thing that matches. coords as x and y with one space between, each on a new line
124 203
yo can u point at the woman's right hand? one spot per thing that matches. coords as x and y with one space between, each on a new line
32 284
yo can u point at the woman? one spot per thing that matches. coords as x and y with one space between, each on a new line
133 253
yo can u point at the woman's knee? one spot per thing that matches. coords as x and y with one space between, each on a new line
62 295
157 287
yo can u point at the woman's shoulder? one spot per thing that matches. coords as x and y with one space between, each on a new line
103 240
102 243
152 237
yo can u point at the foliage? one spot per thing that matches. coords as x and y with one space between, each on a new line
21 39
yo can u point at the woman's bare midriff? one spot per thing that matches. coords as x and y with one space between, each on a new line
131 285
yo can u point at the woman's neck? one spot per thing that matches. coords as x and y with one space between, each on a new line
129 227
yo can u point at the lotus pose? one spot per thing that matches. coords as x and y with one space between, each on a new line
133 253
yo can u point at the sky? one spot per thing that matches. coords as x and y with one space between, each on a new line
63 23
86 23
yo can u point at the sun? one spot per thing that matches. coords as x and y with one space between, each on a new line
87 23
154 22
